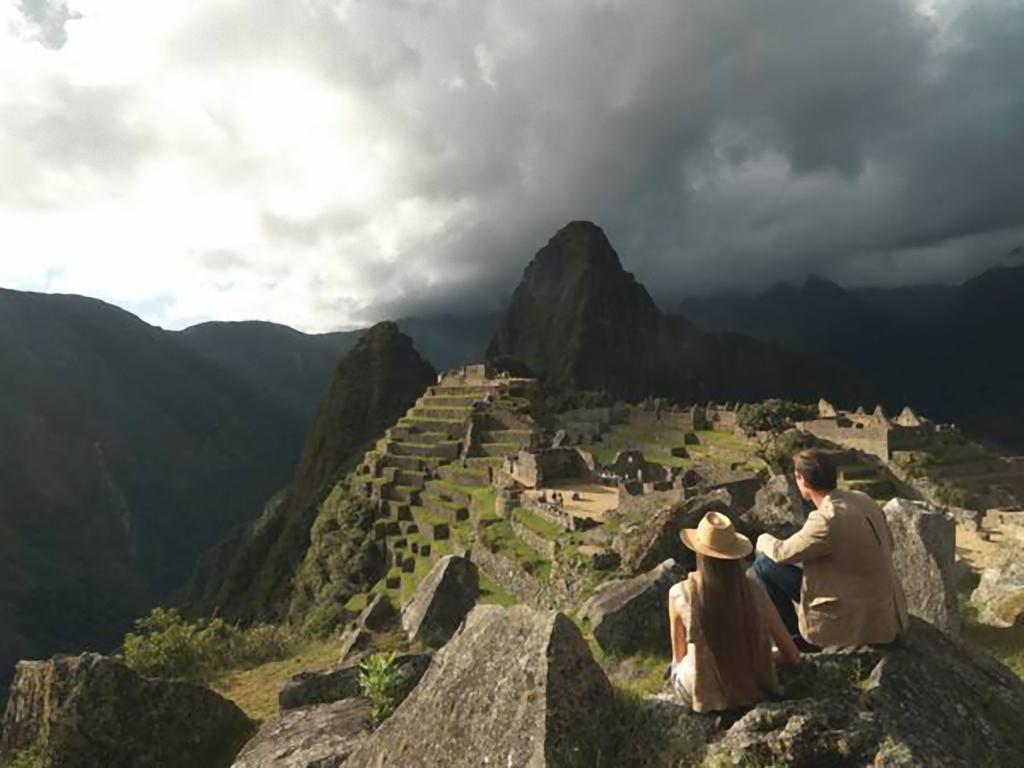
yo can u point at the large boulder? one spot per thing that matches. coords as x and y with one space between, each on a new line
94 712
934 701
342 682
515 686
378 615
311 737
442 600
925 558
1000 593
778 510
645 544
631 615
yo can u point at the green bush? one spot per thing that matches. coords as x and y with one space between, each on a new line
36 756
773 415
166 645
382 683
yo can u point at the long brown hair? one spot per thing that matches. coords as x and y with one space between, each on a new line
733 628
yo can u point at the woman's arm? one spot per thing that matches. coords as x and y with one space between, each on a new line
786 651
677 630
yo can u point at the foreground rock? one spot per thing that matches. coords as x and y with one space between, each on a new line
630 615
778 510
514 687
442 600
94 712
309 688
1000 593
645 545
933 702
311 737
925 555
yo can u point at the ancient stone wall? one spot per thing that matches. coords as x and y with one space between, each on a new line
546 547
534 469
870 438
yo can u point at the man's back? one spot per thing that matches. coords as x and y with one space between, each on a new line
851 594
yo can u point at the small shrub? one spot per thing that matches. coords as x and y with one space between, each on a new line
773 415
382 683
36 756
166 645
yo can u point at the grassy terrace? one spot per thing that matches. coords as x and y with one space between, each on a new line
658 442
498 535
537 524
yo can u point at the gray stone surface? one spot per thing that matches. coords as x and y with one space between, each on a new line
925 557
631 615
514 687
97 713
442 600
354 641
932 702
778 510
378 615
644 545
1000 593
312 737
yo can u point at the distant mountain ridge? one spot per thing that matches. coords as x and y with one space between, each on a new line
581 322
948 350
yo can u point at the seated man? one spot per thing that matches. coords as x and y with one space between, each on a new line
848 590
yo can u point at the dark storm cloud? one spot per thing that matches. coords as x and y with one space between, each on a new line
723 144
49 18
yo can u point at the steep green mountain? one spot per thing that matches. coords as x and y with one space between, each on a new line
948 350
251 576
580 321
123 455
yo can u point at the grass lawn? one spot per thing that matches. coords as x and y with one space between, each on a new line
255 690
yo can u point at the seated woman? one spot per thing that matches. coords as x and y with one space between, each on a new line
723 625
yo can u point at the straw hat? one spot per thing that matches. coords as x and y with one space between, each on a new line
716 537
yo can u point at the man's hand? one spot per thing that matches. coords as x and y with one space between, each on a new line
765 543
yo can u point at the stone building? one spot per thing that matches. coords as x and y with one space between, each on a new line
872 433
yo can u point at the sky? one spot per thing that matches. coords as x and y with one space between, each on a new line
327 163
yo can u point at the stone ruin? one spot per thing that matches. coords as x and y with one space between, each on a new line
872 433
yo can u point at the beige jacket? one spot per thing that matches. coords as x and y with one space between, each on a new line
851 593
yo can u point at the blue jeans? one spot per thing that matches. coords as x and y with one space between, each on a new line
782 582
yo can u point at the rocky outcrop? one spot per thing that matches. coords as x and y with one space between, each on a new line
1000 593
924 555
342 682
378 615
91 711
442 600
645 544
778 510
631 615
515 686
581 322
933 702
311 737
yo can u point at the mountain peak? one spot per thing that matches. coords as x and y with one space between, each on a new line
582 242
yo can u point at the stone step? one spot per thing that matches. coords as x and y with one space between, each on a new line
402 493
395 510
440 414
518 437
448 401
413 434
440 390
499 450
469 476
482 462
448 493
412 463
447 451
455 429
434 503
432 527
412 478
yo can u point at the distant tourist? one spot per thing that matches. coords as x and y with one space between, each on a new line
723 624
576 496
838 566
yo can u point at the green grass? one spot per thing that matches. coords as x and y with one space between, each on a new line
499 536
543 528
493 594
